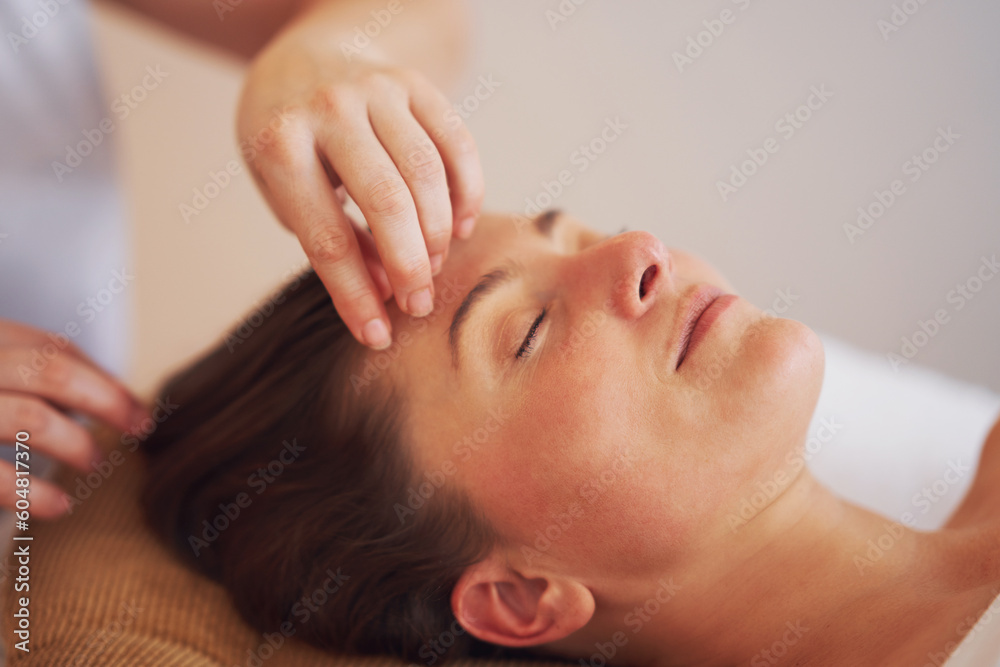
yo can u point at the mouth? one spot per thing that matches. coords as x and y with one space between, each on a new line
701 299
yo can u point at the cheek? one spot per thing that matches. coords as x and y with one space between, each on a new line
777 374
693 268
755 411
590 477
564 447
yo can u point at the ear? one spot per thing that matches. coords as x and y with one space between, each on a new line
499 605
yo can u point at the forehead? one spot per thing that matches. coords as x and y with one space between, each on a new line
496 236
418 364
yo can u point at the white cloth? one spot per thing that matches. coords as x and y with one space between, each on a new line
905 445
981 647
62 228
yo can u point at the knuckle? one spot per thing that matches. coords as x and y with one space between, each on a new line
280 149
384 81
376 81
408 75
328 245
332 101
463 144
57 375
32 415
356 293
424 165
412 271
387 197
438 237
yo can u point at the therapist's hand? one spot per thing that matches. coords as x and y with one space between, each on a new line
387 137
39 383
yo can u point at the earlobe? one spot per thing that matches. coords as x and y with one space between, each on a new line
499 605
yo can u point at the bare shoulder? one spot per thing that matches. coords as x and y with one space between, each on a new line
982 502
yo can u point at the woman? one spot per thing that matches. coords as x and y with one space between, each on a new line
553 461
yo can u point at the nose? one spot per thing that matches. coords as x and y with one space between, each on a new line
640 267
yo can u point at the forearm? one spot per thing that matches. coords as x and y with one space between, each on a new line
426 35
241 27
430 36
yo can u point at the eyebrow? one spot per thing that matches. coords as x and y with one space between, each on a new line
490 282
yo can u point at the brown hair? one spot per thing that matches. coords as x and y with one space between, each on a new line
279 480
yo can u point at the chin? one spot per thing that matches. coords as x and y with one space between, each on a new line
785 363
773 385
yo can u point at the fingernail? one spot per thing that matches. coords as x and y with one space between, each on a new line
376 334
465 227
436 260
420 302
382 280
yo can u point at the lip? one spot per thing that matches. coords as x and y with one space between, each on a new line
694 327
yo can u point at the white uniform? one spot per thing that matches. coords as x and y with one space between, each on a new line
64 264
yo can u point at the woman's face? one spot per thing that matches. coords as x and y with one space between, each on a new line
584 442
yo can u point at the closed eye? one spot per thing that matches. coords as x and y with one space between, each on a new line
529 341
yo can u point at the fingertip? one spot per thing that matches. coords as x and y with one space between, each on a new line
465 226
50 502
375 334
381 279
437 259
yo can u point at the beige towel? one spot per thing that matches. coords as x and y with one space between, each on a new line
104 591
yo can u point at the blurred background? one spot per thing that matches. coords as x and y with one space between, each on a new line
748 131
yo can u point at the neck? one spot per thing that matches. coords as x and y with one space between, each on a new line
805 582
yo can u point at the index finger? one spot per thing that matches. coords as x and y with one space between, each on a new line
299 189
458 151
73 384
